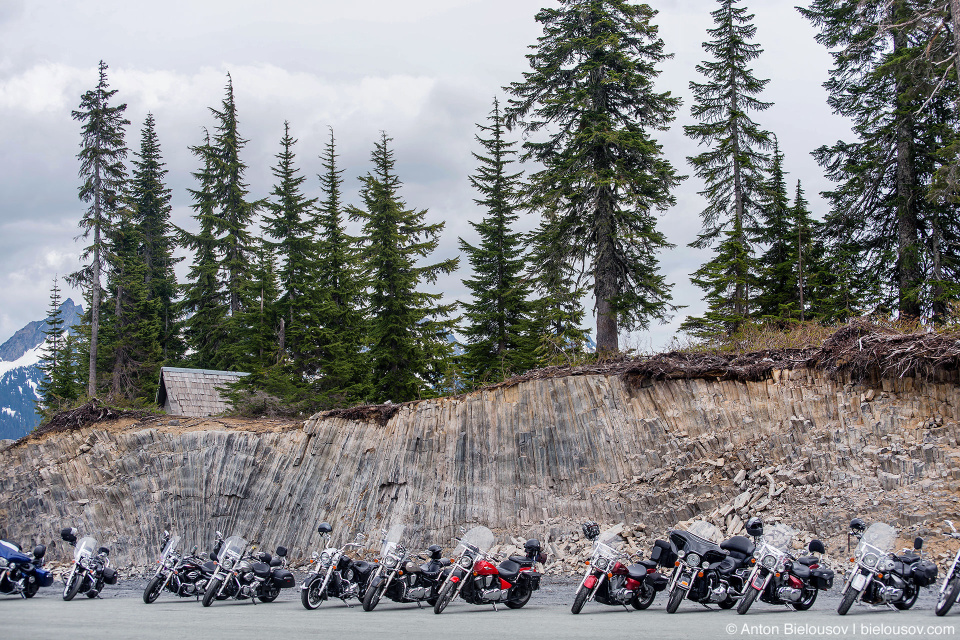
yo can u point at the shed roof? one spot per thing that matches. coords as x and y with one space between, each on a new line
194 392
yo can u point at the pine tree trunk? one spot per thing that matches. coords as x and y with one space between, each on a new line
955 22
605 276
95 289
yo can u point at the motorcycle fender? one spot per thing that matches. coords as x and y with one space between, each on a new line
760 580
590 582
686 580
859 582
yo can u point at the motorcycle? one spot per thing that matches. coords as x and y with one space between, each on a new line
707 572
879 576
950 589
22 573
91 566
334 573
184 576
779 578
473 576
242 576
608 580
399 578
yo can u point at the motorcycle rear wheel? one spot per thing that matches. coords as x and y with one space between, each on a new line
31 589
270 595
909 602
72 588
849 598
152 591
580 599
212 587
372 597
676 597
311 598
518 601
644 598
747 600
444 597
807 601
949 596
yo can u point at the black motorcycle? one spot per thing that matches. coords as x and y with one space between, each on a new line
91 566
334 574
22 573
401 579
707 572
243 576
879 576
779 578
185 576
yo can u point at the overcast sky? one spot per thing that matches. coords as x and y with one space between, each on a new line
424 71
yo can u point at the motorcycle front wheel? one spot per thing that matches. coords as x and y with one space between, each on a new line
444 597
676 597
72 588
948 596
311 598
580 599
807 600
372 597
849 598
152 591
744 605
211 592
643 598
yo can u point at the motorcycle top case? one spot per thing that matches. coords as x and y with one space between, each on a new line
109 576
284 579
924 573
821 578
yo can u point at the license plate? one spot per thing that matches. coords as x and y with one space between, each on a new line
858 581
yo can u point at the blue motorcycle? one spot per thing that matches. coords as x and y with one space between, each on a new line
22 573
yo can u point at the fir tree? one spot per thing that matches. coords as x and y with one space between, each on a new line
590 89
408 336
101 166
203 298
815 279
59 386
733 169
151 214
340 333
289 222
778 296
498 325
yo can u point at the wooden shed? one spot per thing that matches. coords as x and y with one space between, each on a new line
194 392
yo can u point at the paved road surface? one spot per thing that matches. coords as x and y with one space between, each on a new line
547 616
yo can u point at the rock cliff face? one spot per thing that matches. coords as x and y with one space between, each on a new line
531 459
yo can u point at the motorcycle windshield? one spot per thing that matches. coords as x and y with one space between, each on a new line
86 547
699 537
169 550
391 540
478 539
233 549
878 538
780 537
608 545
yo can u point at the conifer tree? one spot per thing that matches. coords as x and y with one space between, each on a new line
409 328
204 301
779 294
59 386
101 166
815 279
151 214
340 333
733 169
289 222
498 318
590 90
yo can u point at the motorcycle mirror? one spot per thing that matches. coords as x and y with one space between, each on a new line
816 546
918 544
282 552
219 534
166 534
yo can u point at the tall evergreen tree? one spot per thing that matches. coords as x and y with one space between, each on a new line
101 166
817 280
591 90
60 385
289 222
498 318
340 333
733 169
409 328
880 210
204 301
151 214
778 296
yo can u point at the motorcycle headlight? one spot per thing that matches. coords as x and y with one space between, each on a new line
466 562
3 562
693 559
325 558
601 563
681 553
870 560
228 563
769 561
704 564
389 562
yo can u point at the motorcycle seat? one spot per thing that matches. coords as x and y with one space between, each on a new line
260 569
808 560
523 561
361 566
726 566
802 571
648 564
637 571
738 545
509 570
907 559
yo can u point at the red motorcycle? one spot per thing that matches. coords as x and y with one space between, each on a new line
609 581
473 576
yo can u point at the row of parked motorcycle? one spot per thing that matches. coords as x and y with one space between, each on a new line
694 564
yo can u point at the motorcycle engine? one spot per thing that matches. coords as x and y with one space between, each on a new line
495 595
718 593
623 595
889 594
789 594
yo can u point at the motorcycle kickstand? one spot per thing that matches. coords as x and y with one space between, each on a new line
419 605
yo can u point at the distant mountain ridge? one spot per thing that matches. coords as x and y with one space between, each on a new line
19 375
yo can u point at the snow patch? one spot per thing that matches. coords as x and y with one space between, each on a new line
29 359
10 412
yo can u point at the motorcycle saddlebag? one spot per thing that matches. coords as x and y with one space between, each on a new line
109 576
663 554
284 579
924 573
532 577
658 581
821 578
